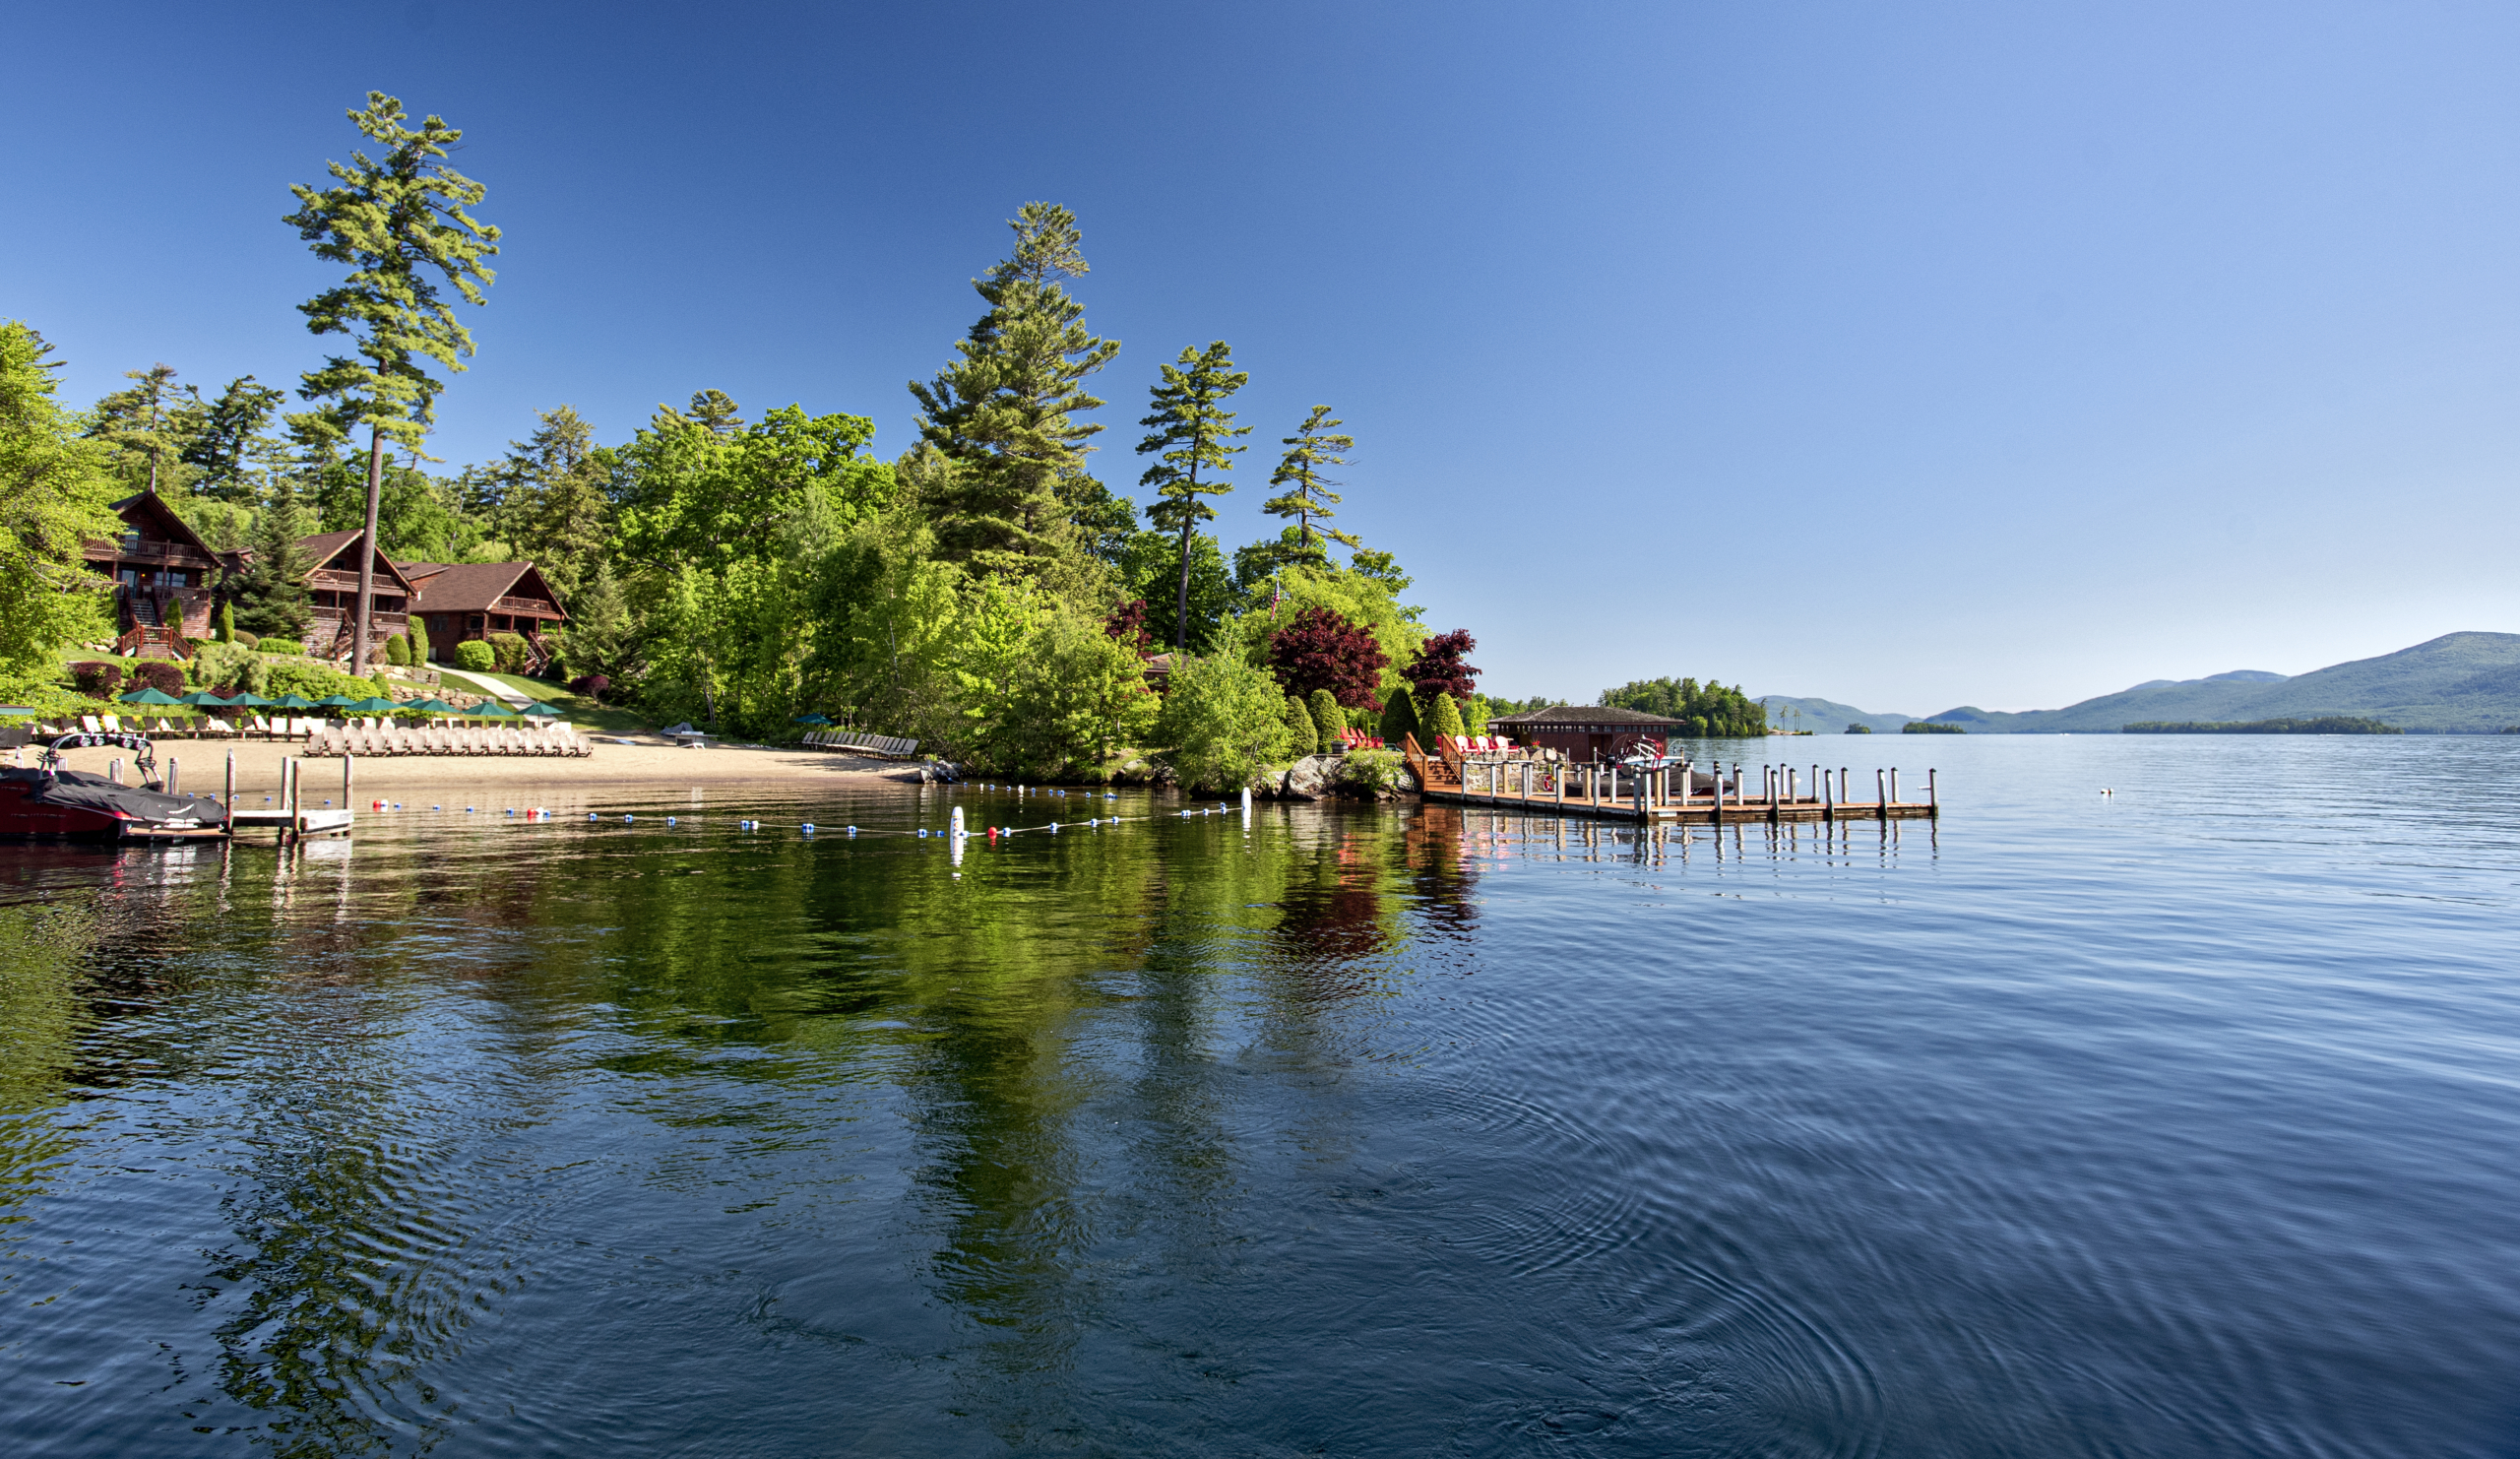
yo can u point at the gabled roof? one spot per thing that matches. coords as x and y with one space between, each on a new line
325 547
1569 716
476 586
153 507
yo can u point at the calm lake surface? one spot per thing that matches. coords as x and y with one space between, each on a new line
2177 1123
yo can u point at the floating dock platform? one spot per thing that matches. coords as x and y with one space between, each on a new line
1676 793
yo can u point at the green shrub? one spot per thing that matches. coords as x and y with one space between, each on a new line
1399 716
282 648
231 666
249 640
1372 772
475 657
1303 736
313 680
1222 721
1443 717
397 652
227 630
1327 714
419 641
512 651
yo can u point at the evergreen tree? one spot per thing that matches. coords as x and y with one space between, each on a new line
394 220
1329 716
147 428
1443 715
714 412
601 638
555 510
270 595
1004 411
1308 498
54 495
1399 717
232 448
226 632
420 636
1303 732
1190 428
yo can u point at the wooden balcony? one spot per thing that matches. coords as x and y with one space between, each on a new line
151 554
539 607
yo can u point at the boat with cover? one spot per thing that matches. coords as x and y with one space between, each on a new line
50 802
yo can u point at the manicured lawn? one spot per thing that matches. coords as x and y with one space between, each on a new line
582 710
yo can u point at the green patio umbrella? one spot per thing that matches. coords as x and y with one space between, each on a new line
812 720
330 701
151 694
431 706
204 699
292 701
246 700
543 711
374 704
491 709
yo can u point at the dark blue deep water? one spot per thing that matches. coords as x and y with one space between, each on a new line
2183 1121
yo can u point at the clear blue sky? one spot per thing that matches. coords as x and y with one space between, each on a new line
1904 354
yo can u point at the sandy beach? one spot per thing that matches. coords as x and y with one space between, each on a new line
650 762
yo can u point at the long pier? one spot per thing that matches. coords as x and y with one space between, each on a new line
1677 793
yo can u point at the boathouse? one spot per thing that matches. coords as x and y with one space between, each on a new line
476 600
1583 732
164 576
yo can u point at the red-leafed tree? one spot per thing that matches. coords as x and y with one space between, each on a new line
1442 667
1127 623
1320 649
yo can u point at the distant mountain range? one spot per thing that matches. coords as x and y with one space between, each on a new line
2459 683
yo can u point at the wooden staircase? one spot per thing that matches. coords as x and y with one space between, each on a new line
1442 772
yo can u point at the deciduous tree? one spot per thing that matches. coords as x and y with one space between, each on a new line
54 495
1320 651
1441 667
399 222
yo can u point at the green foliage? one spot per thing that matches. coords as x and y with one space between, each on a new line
54 495
1044 691
1149 569
1399 716
1303 732
547 500
1928 727
397 652
1443 717
230 451
1222 720
392 221
313 680
475 657
1475 714
224 665
1859 728
1003 413
2322 725
1308 498
1190 429
419 641
1327 714
511 652
1372 772
270 595
1710 710
143 430
227 629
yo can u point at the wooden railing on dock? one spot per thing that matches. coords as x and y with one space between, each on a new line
1678 792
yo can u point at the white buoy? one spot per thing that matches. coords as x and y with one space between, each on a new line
1246 800
959 833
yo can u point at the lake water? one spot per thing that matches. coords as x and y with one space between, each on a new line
2180 1121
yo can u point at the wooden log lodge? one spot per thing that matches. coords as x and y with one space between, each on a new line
165 581
1569 764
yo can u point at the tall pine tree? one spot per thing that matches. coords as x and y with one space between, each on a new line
1004 412
148 426
395 221
1189 429
553 509
231 450
1308 498
270 595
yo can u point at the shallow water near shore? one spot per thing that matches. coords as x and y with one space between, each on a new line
2180 1121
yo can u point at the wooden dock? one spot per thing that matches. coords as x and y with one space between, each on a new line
1675 793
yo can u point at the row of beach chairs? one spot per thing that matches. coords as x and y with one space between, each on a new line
864 745
384 737
1358 740
201 726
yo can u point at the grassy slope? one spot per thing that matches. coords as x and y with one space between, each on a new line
583 712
